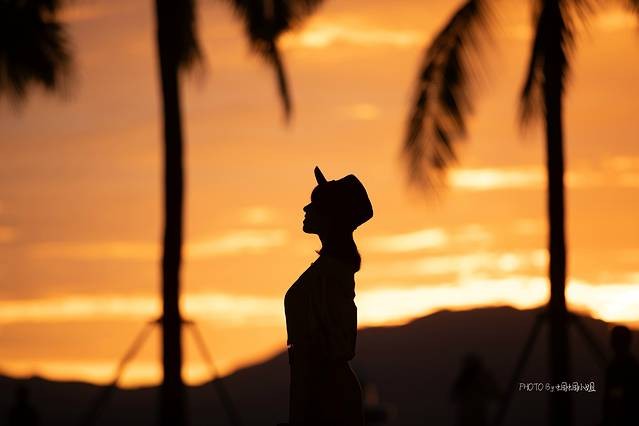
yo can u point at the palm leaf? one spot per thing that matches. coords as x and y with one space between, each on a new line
264 22
34 47
177 27
442 97
552 48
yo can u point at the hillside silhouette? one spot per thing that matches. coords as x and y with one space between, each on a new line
413 367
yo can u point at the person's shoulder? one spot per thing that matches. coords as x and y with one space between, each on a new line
336 276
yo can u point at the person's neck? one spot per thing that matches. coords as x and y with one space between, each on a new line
335 242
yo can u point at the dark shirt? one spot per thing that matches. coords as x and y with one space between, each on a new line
320 309
321 322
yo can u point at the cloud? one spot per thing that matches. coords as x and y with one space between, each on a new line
119 250
466 266
394 302
68 308
237 242
607 21
257 215
391 304
609 302
233 242
612 302
605 175
361 111
321 34
615 20
493 178
221 307
409 241
428 238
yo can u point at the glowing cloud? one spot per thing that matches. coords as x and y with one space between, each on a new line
323 34
491 179
361 111
258 215
410 241
610 20
122 250
237 242
77 307
466 266
616 20
234 242
613 302
226 308
396 304
389 303
619 174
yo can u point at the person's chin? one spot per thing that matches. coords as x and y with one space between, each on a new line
306 229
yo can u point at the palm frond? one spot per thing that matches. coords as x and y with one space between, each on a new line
552 48
264 22
177 27
34 47
442 97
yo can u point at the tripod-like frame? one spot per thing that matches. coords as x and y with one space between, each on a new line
575 320
233 416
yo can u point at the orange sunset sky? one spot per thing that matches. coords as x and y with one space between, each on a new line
80 184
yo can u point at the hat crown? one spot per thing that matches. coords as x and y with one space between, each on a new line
345 199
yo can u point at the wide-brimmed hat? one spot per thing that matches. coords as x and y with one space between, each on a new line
345 199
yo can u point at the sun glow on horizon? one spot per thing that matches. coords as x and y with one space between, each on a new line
384 305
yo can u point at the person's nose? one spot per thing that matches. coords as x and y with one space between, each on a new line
306 208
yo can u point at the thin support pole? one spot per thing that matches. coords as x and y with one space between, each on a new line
93 414
521 363
597 351
218 381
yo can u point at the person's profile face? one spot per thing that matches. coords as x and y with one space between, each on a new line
315 221
312 223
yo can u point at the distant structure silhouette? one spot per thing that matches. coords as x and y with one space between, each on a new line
621 389
321 316
473 391
23 412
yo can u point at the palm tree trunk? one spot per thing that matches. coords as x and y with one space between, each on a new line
172 398
560 402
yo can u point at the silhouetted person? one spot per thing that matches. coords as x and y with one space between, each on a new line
473 391
22 412
621 389
321 316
